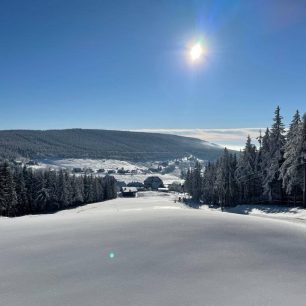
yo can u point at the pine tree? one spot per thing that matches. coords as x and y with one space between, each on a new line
109 187
246 172
272 183
302 158
69 189
89 195
28 177
52 186
63 191
233 185
225 179
209 184
8 197
42 198
289 170
21 191
77 190
188 182
197 182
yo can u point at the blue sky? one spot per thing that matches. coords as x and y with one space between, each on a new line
124 64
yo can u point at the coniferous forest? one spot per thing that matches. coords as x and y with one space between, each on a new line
273 172
24 191
100 144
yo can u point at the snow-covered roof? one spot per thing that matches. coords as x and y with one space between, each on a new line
129 189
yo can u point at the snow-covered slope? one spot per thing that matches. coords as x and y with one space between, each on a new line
94 164
282 212
111 164
151 251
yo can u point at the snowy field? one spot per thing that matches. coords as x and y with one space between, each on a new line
283 212
111 164
151 251
128 178
94 164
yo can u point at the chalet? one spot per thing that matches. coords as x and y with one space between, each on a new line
163 189
77 170
129 192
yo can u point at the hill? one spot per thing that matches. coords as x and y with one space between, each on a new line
90 143
151 251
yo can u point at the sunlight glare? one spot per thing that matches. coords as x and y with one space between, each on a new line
196 52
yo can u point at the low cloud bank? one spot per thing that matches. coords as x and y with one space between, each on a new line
230 138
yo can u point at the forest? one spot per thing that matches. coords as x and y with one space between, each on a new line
273 172
100 144
24 191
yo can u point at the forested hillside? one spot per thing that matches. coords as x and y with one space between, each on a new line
82 143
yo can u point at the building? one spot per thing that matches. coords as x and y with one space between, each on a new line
129 192
163 189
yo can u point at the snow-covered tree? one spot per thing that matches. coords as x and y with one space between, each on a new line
302 158
272 182
21 191
289 171
197 182
246 172
275 171
77 184
8 197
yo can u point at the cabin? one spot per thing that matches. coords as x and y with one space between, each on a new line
129 192
77 170
163 189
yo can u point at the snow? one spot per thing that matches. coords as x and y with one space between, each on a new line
283 212
128 178
94 164
151 251
111 164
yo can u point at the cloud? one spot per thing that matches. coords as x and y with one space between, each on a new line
231 138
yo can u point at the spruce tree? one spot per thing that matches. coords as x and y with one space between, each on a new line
197 182
63 191
8 197
245 173
272 182
77 190
289 171
21 191
302 158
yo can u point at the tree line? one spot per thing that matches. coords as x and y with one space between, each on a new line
273 172
24 191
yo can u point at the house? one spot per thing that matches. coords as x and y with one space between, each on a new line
163 189
129 192
77 170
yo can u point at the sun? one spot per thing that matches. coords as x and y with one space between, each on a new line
196 52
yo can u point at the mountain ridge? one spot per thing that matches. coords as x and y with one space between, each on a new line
101 143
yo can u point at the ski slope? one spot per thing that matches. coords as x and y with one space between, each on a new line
151 251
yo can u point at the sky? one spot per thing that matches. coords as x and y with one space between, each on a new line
126 65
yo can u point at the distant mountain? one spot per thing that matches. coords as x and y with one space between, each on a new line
84 143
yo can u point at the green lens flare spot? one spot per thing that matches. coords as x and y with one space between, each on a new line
111 255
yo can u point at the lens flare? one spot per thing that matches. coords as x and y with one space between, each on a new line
111 255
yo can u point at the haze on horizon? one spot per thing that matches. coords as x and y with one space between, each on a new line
124 65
